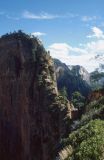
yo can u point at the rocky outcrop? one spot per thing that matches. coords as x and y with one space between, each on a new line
81 72
96 95
73 78
32 116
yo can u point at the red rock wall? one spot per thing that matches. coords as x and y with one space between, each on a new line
29 115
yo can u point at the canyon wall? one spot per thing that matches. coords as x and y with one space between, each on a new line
32 116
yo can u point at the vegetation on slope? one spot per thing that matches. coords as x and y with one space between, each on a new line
78 100
86 141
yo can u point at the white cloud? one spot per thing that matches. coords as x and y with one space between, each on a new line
63 50
83 56
85 61
9 15
43 15
89 18
95 46
59 50
12 17
38 34
97 33
71 15
46 16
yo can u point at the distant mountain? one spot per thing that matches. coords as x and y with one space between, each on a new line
73 78
101 68
97 79
97 76
99 60
99 57
80 71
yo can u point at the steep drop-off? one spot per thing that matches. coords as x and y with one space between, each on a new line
32 115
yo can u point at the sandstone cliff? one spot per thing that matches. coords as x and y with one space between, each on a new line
32 115
73 78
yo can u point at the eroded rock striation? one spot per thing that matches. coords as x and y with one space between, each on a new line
32 115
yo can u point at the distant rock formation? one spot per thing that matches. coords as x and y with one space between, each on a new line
80 71
32 115
73 78
97 79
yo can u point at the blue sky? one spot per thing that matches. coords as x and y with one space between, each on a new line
71 29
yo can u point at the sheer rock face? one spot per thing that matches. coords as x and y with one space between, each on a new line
73 78
30 116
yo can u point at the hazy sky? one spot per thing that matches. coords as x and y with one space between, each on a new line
73 30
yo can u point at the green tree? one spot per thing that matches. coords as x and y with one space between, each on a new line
87 142
91 141
78 100
63 92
